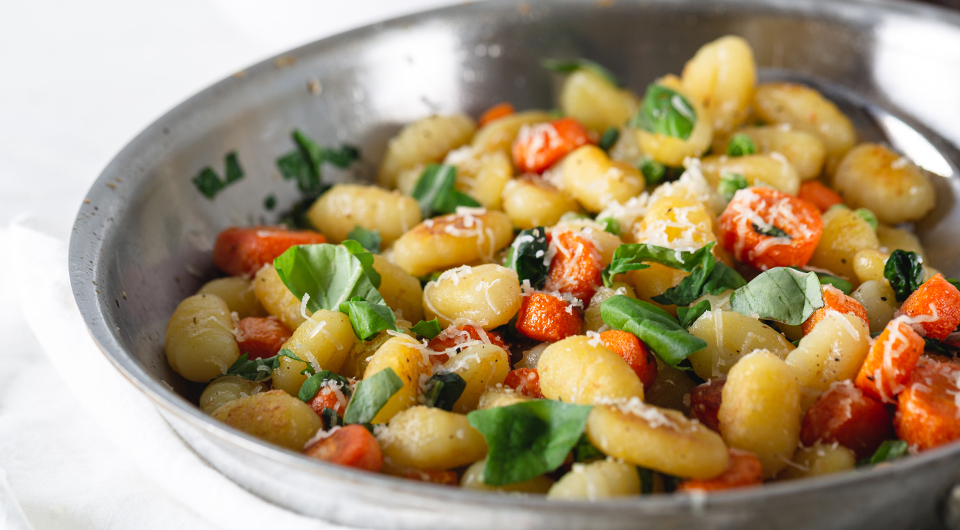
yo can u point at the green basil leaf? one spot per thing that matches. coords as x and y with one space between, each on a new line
652 171
585 451
443 390
427 328
829 279
296 216
330 418
740 144
528 256
609 138
435 192
868 216
904 271
312 385
366 260
572 65
688 315
654 326
370 240
665 111
233 170
368 319
209 183
730 184
528 439
371 395
782 294
610 225
709 276
329 274
260 369
888 450
770 231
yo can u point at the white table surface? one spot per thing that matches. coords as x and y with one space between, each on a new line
77 81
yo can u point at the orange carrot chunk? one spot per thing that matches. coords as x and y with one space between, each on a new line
814 192
327 398
768 228
927 412
497 111
890 362
525 381
844 414
935 306
242 251
539 146
351 446
576 268
835 300
452 337
546 318
628 346
261 337
744 470
705 403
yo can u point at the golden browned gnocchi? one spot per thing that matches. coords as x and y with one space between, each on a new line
423 141
488 295
347 206
452 240
199 342
895 189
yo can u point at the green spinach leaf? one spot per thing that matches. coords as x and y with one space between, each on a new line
904 271
688 315
528 256
427 328
782 294
664 111
315 382
368 319
436 194
371 395
370 240
443 390
654 326
329 274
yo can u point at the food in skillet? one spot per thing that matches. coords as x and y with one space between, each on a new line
705 288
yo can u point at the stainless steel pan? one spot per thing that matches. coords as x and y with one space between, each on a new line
142 241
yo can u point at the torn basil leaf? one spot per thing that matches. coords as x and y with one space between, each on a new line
904 271
610 225
652 171
528 439
888 450
329 274
688 315
436 194
443 390
528 256
740 145
368 239
260 369
664 111
371 395
829 279
208 182
770 231
313 384
366 260
368 319
730 184
572 65
654 326
427 328
609 138
782 294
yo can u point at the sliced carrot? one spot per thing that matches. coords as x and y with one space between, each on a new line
844 414
744 470
576 268
539 146
927 412
757 209
261 337
326 398
814 192
242 251
890 362
497 111
935 307
547 318
835 300
351 446
705 402
452 337
635 352
445 477
525 381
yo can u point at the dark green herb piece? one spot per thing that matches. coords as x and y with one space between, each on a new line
315 382
371 395
427 328
527 256
665 111
654 326
572 65
740 144
436 194
443 390
233 170
782 294
330 418
609 224
329 274
368 319
770 231
730 184
270 202
688 315
868 216
368 239
652 171
646 480
889 450
585 451
260 369
904 271
609 138
342 157
954 282
209 183
528 439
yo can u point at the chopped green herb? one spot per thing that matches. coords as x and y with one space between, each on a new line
270 202
646 480
665 111
609 138
427 328
770 231
209 183
654 326
313 384
829 279
436 194
368 239
528 439
233 170
585 451
652 171
371 394
888 450
368 319
572 65
688 315
260 369
528 256
730 184
740 144
868 216
443 390
609 224
904 271
782 294
330 418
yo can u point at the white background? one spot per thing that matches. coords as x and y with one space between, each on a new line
77 81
